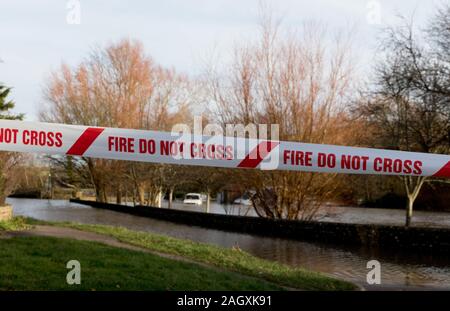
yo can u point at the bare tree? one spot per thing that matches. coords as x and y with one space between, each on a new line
299 81
409 102
118 86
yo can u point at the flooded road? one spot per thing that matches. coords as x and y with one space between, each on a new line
400 270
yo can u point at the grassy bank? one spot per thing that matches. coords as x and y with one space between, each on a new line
39 263
228 259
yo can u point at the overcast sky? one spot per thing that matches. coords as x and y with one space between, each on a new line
36 37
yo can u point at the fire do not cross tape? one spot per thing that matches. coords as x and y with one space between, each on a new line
213 151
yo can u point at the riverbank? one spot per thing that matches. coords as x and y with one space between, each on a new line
402 269
219 268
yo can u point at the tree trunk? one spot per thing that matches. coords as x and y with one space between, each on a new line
2 187
100 194
119 195
409 211
412 187
208 199
159 198
96 179
104 195
139 188
52 190
170 197
140 194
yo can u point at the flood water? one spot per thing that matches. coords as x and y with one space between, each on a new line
332 213
399 269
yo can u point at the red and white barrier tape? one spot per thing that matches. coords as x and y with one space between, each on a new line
228 152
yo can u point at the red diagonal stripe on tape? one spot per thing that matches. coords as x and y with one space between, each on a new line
258 154
85 141
444 171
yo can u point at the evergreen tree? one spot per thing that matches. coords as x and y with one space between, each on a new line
6 105
7 159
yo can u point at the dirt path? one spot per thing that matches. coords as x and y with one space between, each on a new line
62 232
69 233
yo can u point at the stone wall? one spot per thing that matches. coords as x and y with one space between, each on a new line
5 212
414 238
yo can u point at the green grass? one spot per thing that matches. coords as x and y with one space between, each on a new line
223 258
39 263
15 224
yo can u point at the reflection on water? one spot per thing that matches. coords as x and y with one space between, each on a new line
399 270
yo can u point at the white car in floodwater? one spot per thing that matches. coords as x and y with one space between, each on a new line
246 201
193 198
